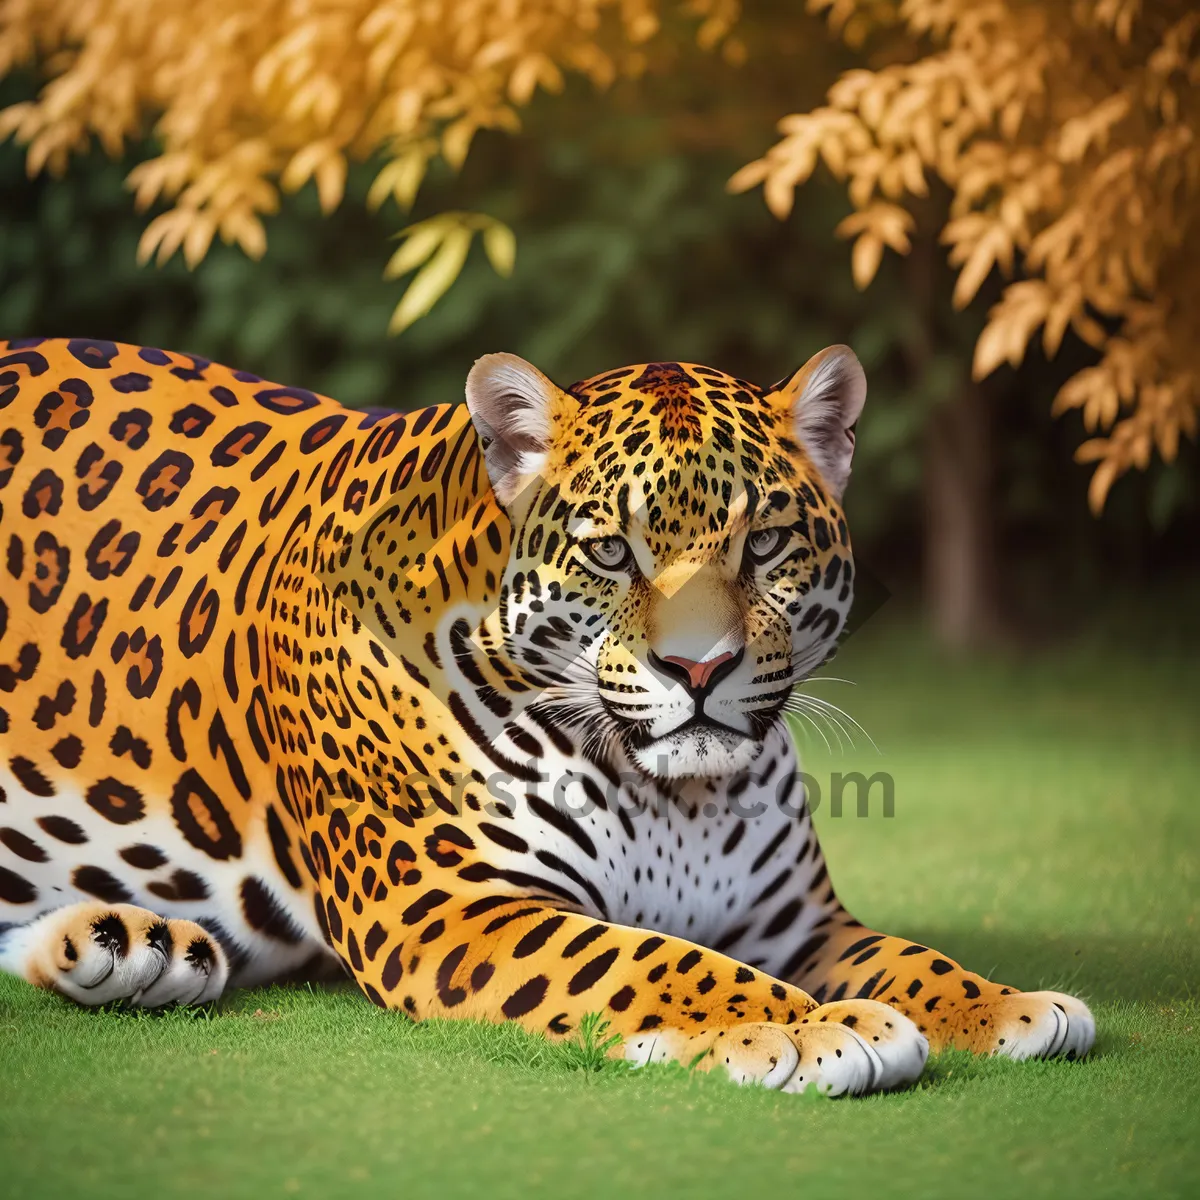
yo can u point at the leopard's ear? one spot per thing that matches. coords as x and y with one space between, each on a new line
826 397
512 406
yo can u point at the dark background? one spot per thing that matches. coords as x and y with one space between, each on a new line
965 502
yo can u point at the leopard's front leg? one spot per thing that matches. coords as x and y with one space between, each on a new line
507 957
953 1007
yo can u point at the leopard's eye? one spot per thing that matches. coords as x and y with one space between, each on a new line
610 553
765 544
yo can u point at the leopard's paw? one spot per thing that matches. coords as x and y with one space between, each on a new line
835 1060
900 1046
844 1049
757 1052
98 953
1028 1025
830 1058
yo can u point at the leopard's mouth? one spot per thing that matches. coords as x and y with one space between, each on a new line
641 734
698 748
701 721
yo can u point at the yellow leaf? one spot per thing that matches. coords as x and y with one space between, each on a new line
990 350
305 163
641 27
420 241
1167 438
1011 323
146 180
1089 329
530 71
913 173
456 141
1057 320
524 79
382 184
164 235
833 151
198 238
849 88
994 244
401 178
331 182
888 222
433 280
14 117
1079 134
247 230
1104 476
864 176
409 180
923 131
500 245
749 176
865 259
779 193
1092 450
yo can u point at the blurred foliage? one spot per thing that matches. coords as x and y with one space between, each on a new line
249 101
1066 132
1069 134
630 250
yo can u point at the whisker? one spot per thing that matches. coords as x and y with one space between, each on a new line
823 703
835 727
833 720
802 716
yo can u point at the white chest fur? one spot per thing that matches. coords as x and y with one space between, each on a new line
715 863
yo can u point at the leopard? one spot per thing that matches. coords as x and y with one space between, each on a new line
482 704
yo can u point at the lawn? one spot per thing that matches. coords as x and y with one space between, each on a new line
1046 832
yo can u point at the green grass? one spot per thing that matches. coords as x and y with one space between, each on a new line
1046 831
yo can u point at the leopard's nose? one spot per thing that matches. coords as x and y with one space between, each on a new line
697 675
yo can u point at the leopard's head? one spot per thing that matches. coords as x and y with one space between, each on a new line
679 556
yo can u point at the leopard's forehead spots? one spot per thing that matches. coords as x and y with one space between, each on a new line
687 415
683 451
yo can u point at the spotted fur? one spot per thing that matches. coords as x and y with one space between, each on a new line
284 685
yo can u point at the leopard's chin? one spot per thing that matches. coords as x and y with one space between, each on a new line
698 751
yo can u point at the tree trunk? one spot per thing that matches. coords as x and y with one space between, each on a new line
960 575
